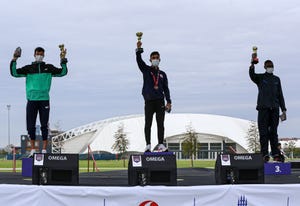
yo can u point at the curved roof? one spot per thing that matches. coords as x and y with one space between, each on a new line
100 135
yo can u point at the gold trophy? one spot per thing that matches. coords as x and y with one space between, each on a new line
63 51
139 35
254 55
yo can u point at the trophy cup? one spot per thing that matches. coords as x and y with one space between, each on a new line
18 52
254 55
63 51
139 35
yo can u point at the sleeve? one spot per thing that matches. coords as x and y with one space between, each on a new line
21 72
60 72
281 98
166 90
142 65
253 76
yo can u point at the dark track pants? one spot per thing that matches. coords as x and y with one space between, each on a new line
158 107
32 110
268 120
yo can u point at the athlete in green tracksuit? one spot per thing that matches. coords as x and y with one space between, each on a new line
38 83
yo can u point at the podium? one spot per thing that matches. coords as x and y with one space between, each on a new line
26 167
239 169
277 168
153 168
55 169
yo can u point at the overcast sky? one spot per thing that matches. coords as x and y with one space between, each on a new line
205 50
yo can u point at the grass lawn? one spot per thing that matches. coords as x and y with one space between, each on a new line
108 165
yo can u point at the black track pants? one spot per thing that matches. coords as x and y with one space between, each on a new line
151 107
32 109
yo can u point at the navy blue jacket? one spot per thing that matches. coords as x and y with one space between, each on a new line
149 93
269 90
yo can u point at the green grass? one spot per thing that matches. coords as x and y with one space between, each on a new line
9 163
197 163
109 165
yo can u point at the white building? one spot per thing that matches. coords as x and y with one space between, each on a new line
212 132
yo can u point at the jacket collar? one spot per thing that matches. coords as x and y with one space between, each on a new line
35 62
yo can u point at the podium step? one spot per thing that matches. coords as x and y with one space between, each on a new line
277 168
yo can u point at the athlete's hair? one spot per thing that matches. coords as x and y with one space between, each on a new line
39 49
268 62
154 53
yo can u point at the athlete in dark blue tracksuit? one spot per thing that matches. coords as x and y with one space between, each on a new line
155 90
270 98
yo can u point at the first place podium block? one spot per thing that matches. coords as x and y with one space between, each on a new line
153 168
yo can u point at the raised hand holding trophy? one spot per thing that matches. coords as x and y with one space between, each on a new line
17 53
63 51
254 59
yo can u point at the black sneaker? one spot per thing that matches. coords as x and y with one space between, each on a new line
266 158
277 158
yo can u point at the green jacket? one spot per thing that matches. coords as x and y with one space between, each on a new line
38 77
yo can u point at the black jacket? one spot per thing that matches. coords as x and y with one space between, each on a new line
269 90
149 93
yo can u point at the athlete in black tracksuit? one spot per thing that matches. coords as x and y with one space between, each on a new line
155 89
270 98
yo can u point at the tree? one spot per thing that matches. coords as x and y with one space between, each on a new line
296 153
189 144
290 147
2 151
253 138
121 142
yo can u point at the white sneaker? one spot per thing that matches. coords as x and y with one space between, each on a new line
162 148
44 151
148 148
31 153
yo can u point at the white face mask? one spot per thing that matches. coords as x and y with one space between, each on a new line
155 62
39 58
270 70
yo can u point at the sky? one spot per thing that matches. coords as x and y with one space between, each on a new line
205 49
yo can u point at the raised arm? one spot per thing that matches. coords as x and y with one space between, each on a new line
59 72
253 76
21 72
142 65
